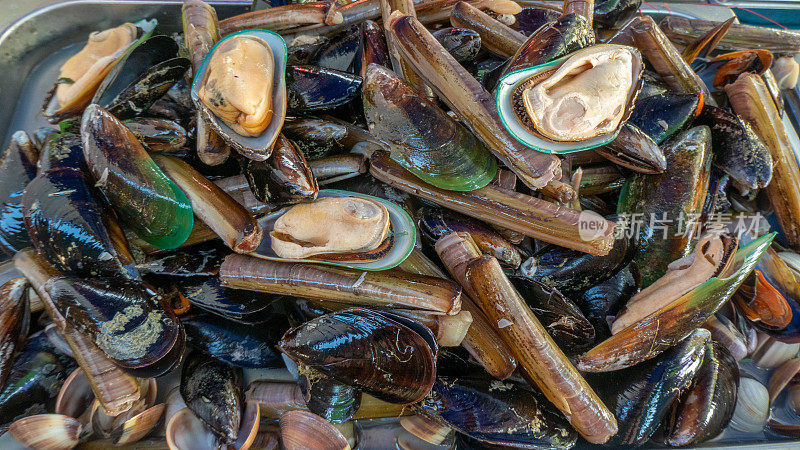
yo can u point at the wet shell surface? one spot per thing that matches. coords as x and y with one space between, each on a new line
574 103
253 135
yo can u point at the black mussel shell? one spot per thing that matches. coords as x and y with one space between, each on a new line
569 33
33 381
641 396
463 44
316 138
333 401
213 391
635 150
62 150
652 84
200 260
310 89
608 297
123 319
233 304
704 410
241 345
738 151
343 54
15 320
71 229
284 179
366 349
572 272
497 412
18 166
611 14
532 18
141 78
660 116
560 317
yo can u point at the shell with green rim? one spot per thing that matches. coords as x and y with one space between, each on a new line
574 103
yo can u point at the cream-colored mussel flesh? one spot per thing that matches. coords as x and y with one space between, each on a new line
237 86
330 225
585 97
82 73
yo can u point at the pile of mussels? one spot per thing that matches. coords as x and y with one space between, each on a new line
180 277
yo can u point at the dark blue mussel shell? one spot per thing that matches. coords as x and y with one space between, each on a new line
141 78
310 88
18 166
572 272
660 116
344 54
71 229
233 304
497 412
560 317
34 381
213 391
642 395
607 298
124 320
240 345
62 150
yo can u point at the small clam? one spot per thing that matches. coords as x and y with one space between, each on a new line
573 103
752 406
47 431
302 430
240 90
786 70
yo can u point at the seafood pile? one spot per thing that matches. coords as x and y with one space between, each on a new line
407 224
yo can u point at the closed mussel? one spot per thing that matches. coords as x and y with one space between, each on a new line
213 391
71 229
129 178
642 395
369 350
311 88
503 413
123 319
234 343
284 179
14 323
426 141
704 410
18 165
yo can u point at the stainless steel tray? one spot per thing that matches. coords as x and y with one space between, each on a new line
39 35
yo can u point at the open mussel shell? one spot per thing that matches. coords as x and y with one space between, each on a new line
258 147
516 120
403 236
143 76
55 111
123 320
674 322
504 413
365 348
